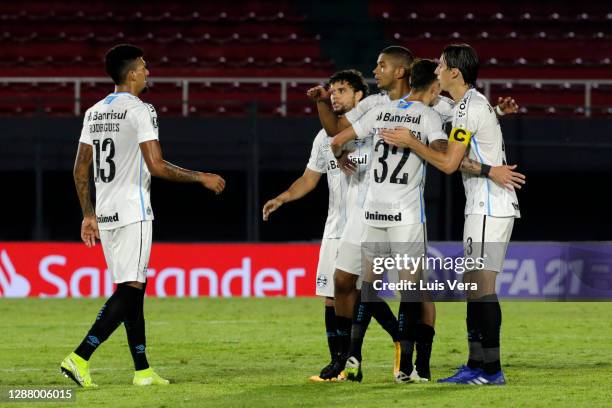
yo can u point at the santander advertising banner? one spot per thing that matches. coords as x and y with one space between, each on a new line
73 270
532 270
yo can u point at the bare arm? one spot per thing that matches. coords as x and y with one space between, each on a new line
82 166
298 189
447 161
503 175
331 122
341 139
161 168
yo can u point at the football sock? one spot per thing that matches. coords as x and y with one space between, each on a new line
387 320
343 329
330 329
135 327
424 341
361 319
409 312
476 355
109 318
490 323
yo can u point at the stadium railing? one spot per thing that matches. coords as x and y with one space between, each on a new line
284 85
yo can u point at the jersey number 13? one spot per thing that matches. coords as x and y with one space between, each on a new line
106 149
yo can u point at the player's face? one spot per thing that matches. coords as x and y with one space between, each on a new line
443 73
384 72
141 73
342 97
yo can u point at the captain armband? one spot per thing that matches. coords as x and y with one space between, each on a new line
460 135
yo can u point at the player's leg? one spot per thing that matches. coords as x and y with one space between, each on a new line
485 238
368 303
345 293
409 241
346 276
424 337
110 316
492 250
426 326
325 288
134 254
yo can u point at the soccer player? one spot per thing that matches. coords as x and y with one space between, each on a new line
490 209
347 88
391 73
120 137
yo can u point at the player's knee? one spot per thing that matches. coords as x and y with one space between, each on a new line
329 301
344 282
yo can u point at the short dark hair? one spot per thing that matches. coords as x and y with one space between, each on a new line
403 54
119 59
422 74
353 78
464 58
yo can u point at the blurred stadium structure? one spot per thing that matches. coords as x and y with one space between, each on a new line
229 82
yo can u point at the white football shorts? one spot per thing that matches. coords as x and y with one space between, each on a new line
127 250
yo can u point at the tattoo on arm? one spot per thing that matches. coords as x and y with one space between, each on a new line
179 174
470 166
82 165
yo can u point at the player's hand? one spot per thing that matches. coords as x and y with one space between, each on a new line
506 177
507 105
213 182
89 231
318 93
270 207
400 137
346 165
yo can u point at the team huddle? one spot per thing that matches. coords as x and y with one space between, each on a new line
374 151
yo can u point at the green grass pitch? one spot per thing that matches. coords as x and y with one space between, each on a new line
260 352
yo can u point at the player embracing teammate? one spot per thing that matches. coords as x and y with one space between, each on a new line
392 74
490 208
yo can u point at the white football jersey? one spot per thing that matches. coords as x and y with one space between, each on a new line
115 127
397 177
361 155
322 160
443 105
475 122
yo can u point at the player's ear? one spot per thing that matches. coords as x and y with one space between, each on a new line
358 96
455 73
434 88
401 72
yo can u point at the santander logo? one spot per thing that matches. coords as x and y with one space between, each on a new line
11 283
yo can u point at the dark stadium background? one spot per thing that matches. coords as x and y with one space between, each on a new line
260 144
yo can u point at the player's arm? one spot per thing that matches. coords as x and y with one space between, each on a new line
300 187
341 139
82 166
152 153
447 161
503 175
331 122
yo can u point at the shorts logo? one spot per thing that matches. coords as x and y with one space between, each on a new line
111 218
321 281
460 135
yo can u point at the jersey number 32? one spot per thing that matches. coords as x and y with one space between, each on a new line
380 175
